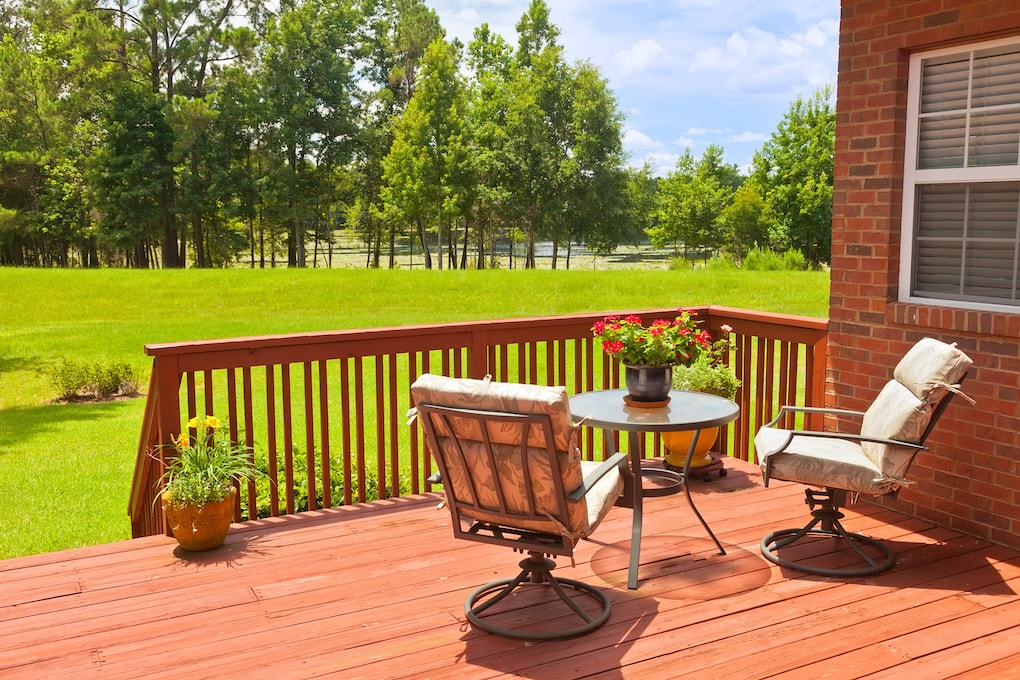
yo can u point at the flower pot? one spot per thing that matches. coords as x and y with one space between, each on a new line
678 444
201 527
648 383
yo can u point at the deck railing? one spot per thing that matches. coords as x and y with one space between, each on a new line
325 412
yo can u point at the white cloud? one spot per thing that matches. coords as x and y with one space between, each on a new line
684 142
635 139
698 131
639 56
753 60
745 137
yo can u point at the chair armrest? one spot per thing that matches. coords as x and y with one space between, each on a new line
785 410
856 438
617 460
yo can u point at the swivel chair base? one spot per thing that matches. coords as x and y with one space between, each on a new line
535 571
873 556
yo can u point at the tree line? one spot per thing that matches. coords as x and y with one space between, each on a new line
172 133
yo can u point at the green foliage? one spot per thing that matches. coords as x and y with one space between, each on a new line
758 260
710 371
264 481
702 377
793 172
102 380
166 137
744 223
721 262
691 200
204 465
794 259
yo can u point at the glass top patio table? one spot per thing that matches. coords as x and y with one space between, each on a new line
685 411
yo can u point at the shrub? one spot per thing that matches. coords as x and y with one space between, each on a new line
76 379
763 261
263 480
721 263
795 259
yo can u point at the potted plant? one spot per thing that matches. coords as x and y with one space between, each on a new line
708 373
650 352
199 484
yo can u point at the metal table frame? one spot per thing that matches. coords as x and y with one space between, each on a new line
686 411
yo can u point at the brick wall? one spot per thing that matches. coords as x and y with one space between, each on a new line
970 478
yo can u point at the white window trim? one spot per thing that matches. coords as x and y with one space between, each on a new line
913 176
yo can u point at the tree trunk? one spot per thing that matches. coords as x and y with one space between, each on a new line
423 237
439 232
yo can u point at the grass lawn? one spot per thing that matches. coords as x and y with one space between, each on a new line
65 469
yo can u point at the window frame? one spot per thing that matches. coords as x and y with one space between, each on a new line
914 177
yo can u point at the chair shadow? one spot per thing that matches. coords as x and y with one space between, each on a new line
961 563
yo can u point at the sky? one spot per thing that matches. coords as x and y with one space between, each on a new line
685 73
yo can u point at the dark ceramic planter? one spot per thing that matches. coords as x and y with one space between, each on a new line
648 383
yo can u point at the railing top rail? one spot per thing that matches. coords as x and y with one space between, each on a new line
498 326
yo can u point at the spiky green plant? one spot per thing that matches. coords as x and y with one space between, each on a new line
205 466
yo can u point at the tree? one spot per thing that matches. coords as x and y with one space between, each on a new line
793 172
429 154
744 223
596 203
395 36
308 81
690 200
131 170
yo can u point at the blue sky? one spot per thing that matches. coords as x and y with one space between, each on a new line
686 73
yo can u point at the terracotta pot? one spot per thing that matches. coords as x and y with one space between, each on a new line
679 442
648 383
201 527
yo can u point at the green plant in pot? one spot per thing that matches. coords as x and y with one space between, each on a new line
199 484
708 373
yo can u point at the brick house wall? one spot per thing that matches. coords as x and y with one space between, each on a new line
970 477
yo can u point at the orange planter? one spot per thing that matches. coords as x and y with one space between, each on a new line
201 527
679 442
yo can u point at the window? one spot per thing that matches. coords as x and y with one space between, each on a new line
961 199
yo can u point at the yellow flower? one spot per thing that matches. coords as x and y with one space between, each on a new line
182 440
212 423
194 423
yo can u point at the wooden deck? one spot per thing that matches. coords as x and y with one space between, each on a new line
377 591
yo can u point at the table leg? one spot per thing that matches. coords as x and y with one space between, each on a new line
687 489
635 501
634 452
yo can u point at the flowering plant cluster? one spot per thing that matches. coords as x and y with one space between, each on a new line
663 343
710 372
205 465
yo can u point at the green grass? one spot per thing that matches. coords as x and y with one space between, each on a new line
65 469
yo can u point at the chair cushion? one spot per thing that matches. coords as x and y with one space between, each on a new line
819 461
488 395
895 414
905 405
481 478
929 366
602 496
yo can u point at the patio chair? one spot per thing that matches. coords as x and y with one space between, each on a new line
513 475
874 461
